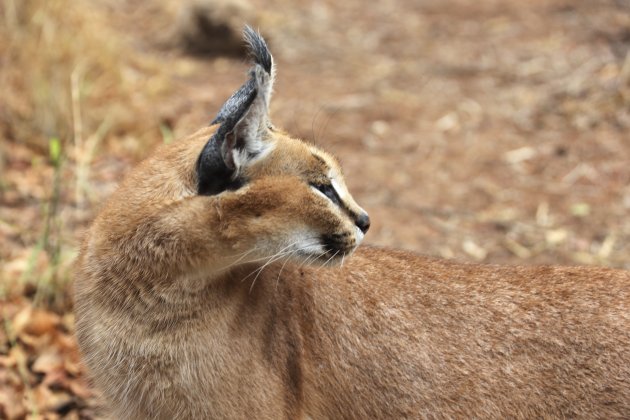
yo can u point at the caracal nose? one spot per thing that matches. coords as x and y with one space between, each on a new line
363 222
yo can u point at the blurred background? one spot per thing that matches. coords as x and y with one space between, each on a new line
492 131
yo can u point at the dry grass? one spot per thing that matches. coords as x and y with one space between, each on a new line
70 85
69 74
69 82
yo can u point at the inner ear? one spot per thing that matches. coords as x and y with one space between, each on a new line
248 137
229 144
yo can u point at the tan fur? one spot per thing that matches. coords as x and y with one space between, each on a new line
178 319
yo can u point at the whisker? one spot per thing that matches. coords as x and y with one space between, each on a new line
260 270
313 123
242 255
329 117
278 255
269 260
261 259
312 258
327 261
282 268
274 255
282 253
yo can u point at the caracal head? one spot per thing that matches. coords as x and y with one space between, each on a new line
281 197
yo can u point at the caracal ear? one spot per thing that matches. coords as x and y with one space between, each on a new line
244 120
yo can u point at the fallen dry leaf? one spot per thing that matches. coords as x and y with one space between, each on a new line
35 321
56 380
48 362
11 403
81 389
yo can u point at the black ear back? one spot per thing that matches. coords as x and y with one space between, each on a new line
214 175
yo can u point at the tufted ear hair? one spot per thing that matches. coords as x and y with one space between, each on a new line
244 120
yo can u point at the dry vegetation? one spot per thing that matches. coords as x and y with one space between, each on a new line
491 130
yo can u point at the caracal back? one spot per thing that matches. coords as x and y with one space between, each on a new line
222 280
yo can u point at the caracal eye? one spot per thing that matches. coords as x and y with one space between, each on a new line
328 191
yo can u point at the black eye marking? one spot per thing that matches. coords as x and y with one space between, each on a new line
328 191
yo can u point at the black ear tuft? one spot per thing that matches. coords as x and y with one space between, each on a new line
258 51
257 48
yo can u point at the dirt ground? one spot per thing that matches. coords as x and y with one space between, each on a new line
493 131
